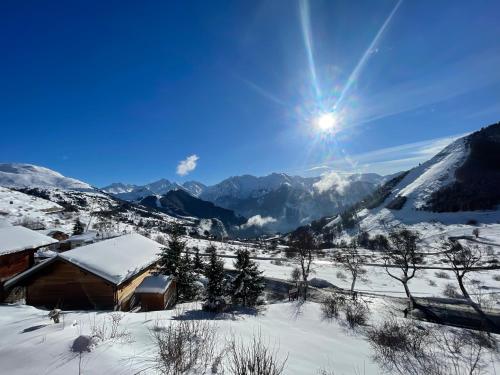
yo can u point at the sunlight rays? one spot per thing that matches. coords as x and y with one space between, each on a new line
327 112
362 62
305 22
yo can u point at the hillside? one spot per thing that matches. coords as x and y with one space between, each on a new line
180 203
458 186
28 175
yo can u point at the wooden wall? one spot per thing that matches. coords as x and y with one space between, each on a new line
158 301
12 264
66 286
126 290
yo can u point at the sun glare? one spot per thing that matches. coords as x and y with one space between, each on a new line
326 121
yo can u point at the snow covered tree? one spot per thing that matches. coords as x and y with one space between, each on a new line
248 285
214 271
186 287
171 255
198 264
78 227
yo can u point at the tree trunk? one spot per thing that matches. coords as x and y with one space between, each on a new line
490 325
411 300
353 282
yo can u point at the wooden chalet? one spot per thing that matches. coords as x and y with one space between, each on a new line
156 292
17 247
103 275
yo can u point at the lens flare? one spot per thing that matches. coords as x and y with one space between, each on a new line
326 122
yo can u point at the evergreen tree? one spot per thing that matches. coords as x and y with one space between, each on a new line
248 285
186 279
198 265
172 263
78 227
214 271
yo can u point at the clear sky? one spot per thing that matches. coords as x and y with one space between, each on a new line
110 91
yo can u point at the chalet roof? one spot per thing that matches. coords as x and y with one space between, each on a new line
117 259
14 239
154 284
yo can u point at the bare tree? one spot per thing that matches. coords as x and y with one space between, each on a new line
350 259
303 244
463 259
402 255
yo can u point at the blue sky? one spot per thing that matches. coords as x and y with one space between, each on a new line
126 90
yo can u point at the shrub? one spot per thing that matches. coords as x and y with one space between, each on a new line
441 275
109 328
185 347
253 359
432 283
450 291
356 313
295 275
341 275
331 305
402 347
496 277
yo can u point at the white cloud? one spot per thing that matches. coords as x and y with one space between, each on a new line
386 160
258 221
187 165
331 180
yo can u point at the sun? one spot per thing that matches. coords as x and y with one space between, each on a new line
325 122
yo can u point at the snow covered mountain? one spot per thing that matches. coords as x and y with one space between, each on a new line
132 192
289 200
464 176
28 175
460 185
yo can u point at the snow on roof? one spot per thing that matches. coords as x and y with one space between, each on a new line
86 236
154 284
117 259
14 239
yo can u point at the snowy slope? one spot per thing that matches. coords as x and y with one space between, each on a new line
432 175
15 205
24 175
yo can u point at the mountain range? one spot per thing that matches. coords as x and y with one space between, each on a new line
286 201
460 181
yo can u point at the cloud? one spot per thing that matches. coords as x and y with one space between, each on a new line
331 180
187 165
384 161
258 221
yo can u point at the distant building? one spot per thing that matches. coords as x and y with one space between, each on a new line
17 247
78 240
103 275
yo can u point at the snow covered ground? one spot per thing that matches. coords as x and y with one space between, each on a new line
15 205
32 344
